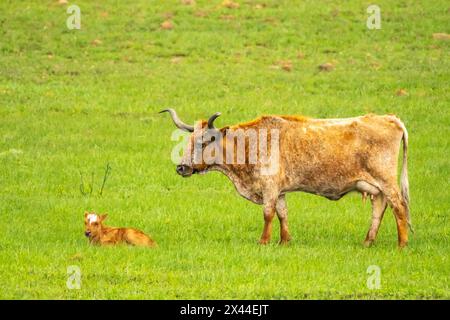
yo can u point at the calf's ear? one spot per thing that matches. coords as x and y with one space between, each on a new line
86 214
103 217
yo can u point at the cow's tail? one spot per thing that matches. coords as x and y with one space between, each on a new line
404 182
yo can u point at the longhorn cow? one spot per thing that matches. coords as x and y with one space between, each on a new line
326 157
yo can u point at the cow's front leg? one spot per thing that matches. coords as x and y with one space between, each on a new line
269 213
282 213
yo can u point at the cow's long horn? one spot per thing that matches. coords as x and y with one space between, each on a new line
180 124
211 120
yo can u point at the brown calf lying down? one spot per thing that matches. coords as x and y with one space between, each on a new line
100 234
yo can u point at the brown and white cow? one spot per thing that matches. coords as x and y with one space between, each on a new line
327 157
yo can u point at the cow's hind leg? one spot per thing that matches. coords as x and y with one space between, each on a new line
379 205
282 213
398 205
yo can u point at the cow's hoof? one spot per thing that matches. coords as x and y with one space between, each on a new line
264 241
368 243
284 242
402 244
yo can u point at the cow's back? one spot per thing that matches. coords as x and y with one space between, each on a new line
328 155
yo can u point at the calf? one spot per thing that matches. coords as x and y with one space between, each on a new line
99 234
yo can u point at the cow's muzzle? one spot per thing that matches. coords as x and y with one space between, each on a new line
184 170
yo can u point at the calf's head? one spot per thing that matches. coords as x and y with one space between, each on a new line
93 223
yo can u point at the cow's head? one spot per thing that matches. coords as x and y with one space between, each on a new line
204 148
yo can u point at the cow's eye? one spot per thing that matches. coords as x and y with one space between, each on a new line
207 139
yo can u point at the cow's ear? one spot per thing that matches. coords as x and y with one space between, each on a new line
86 214
103 217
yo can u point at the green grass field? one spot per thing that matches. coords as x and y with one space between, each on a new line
73 101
